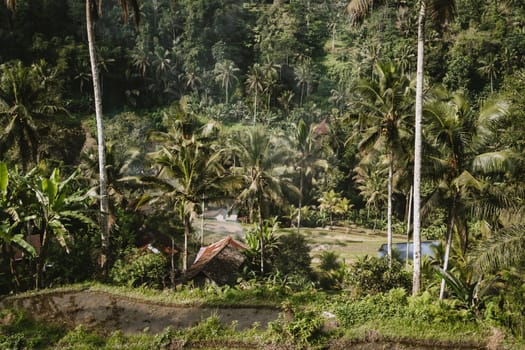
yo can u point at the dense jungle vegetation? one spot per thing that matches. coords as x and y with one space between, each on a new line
295 113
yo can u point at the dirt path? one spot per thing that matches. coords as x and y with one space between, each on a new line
112 312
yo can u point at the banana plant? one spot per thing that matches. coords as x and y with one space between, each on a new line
57 210
11 221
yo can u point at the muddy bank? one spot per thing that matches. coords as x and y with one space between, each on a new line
112 312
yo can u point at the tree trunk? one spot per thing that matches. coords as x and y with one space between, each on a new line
40 261
187 232
416 280
172 260
408 224
389 206
255 107
450 231
104 204
300 200
261 239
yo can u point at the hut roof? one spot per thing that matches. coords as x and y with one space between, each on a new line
207 254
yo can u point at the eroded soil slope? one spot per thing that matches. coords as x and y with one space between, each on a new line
116 312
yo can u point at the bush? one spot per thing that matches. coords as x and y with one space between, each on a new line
293 256
372 275
140 269
306 328
332 271
20 331
378 306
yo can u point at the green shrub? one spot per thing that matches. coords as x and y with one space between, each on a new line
371 275
81 338
293 256
331 272
20 331
304 329
140 269
378 306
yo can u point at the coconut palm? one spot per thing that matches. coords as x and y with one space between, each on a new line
188 169
441 11
263 168
309 157
270 76
93 11
460 136
28 97
304 76
503 250
225 74
254 83
385 101
332 203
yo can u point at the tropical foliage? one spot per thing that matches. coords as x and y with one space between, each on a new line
327 113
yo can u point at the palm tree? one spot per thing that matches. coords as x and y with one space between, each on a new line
262 165
28 96
503 250
309 157
269 71
188 170
370 180
489 68
225 74
93 11
254 83
386 104
332 203
441 11
304 76
460 138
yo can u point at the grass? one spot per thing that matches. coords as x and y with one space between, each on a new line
304 331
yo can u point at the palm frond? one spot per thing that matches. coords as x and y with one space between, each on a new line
358 8
495 162
503 250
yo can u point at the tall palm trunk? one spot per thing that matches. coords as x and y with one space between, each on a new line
408 223
416 278
104 204
389 206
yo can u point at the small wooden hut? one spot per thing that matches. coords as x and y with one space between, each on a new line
218 263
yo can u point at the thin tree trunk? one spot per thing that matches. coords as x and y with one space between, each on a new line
255 107
172 272
416 280
300 200
104 204
40 261
408 224
261 240
202 222
446 257
389 206
187 231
